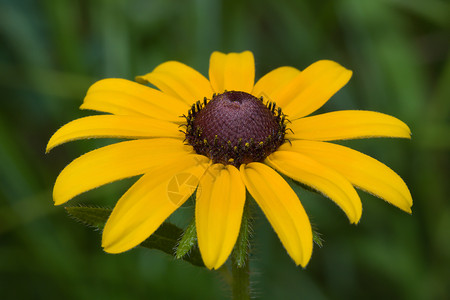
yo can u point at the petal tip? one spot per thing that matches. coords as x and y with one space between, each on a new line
59 195
210 264
58 202
302 262
356 220
52 143
346 76
111 246
111 250
303 258
408 210
409 133
405 130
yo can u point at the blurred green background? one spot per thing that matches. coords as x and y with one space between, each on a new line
53 50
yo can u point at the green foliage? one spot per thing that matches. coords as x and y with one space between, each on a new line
90 216
188 240
165 238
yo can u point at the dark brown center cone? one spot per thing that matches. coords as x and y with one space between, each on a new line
235 128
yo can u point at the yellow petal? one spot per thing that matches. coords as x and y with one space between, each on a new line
347 124
124 97
361 170
271 84
323 179
142 209
218 213
179 80
113 126
312 88
282 208
232 72
114 162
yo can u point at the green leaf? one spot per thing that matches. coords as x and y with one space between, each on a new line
317 238
188 240
165 238
90 216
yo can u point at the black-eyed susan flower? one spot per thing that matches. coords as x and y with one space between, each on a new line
235 136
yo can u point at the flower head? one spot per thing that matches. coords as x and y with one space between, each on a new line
235 136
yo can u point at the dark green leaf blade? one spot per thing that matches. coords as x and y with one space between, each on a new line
165 238
91 216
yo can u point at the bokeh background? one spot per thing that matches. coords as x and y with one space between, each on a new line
51 51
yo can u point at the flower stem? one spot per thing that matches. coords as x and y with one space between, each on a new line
241 281
240 268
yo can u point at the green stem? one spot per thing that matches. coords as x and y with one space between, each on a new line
240 268
241 281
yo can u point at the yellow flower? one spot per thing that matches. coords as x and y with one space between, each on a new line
233 138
